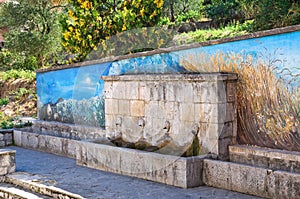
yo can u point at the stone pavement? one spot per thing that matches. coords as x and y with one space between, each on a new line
95 184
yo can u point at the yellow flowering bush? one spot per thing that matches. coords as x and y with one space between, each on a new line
88 23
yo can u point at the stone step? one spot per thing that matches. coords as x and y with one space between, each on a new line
39 184
251 180
274 159
9 191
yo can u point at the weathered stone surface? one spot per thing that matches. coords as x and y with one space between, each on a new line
137 108
172 170
251 180
38 184
50 144
181 100
6 137
265 157
92 184
64 130
7 161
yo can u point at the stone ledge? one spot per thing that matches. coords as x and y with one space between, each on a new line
65 130
46 143
167 169
251 180
274 159
35 184
174 77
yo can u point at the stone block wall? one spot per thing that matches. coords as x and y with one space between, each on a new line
171 170
50 144
7 161
64 130
148 107
257 181
274 159
6 137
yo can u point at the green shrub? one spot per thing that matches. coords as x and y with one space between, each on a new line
190 15
86 25
223 12
4 101
210 34
268 14
16 74
5 122
10 60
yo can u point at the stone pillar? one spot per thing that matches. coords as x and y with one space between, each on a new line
7 161
180 105
6 137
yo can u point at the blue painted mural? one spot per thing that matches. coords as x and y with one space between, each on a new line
75 95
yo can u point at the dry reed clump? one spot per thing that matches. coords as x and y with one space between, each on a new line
268 109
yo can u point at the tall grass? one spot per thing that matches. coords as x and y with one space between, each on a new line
268 109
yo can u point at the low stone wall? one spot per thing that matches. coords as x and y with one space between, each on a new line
171 170
251 180
7 161
49 144
64 130
6 137
147 107
265 157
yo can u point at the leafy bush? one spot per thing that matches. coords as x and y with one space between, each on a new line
273 14
16 74
86 24
223 12
190 15
34 29
9 122
5 122
4 101
20 92
10 60
183 10
210 34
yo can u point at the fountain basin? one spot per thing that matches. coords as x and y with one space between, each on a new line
172 170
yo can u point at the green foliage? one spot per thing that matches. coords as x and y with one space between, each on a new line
20 92
273 14
191 15
33 28
210 34
17 74
10 60
5 122
225 11
183 10
9 122
87 24
4 101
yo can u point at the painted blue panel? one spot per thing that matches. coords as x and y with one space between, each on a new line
283 47
74 83
72 90
160 63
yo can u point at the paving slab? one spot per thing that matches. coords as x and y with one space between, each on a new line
95 184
